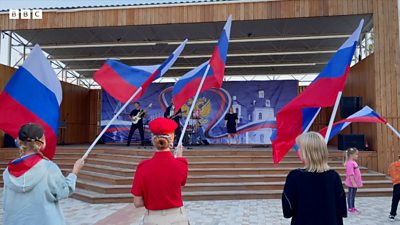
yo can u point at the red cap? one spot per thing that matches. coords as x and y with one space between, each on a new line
162 126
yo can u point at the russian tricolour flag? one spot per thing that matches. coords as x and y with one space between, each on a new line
122 81
294 118
33 95
365 115
188 84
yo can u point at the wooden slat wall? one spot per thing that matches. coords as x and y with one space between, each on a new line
360 82
194 13
80 108
365 158
95 113
5 75
387 78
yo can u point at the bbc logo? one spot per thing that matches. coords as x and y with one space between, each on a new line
25 14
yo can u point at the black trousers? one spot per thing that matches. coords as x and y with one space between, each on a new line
395 199
178 132
132 131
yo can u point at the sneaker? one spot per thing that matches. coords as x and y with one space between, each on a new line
351 210
391 218
356 210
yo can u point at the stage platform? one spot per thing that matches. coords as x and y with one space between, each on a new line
216 172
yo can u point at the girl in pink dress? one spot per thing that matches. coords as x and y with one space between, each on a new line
353 177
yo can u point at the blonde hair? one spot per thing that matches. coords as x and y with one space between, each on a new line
162 142
349 152
313 151
34 146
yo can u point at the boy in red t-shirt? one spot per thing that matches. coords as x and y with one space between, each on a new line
394 172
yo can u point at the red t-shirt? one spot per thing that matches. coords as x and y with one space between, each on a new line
159 179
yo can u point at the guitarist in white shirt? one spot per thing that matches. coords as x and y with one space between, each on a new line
170 114
139 114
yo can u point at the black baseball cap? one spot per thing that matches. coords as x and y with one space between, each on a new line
30 132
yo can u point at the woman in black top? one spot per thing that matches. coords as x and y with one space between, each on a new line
230 123
314 195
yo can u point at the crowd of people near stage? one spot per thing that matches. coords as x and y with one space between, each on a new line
314 194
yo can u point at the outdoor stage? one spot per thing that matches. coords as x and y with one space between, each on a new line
216 172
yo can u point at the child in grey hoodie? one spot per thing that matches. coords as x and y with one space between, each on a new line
33 185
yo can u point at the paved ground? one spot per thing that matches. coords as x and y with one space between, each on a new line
246 212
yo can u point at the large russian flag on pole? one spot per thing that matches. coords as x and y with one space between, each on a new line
292 120
187 85
122 81
33 95
364 115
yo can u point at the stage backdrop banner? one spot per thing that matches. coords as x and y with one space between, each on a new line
255 102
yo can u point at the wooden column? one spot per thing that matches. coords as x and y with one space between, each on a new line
387 78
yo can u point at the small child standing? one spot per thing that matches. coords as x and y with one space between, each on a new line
394 172
353 177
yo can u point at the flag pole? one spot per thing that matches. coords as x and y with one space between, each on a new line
312 121
192 107
393 129
110 123
328 132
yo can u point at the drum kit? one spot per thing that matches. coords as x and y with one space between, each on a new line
193 130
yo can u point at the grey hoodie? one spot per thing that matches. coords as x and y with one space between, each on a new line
33 198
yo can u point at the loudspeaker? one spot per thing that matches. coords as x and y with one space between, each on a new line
349 105
346 141
9 141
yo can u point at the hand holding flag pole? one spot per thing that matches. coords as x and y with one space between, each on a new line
191 110
110 123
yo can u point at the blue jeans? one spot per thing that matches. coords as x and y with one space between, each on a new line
351 197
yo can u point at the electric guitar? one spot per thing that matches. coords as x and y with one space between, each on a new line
176 115
135 119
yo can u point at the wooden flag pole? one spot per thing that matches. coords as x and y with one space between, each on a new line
328 132
192 108
110 123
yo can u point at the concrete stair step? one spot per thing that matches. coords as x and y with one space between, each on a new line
138 158
105 178
124 180
197 152
102 187
248 171
70 155
97 198
125 172
94 197
204 171
262 178
216 164
190 187
109 170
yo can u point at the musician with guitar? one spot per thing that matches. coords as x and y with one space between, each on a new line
170 114
136 117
